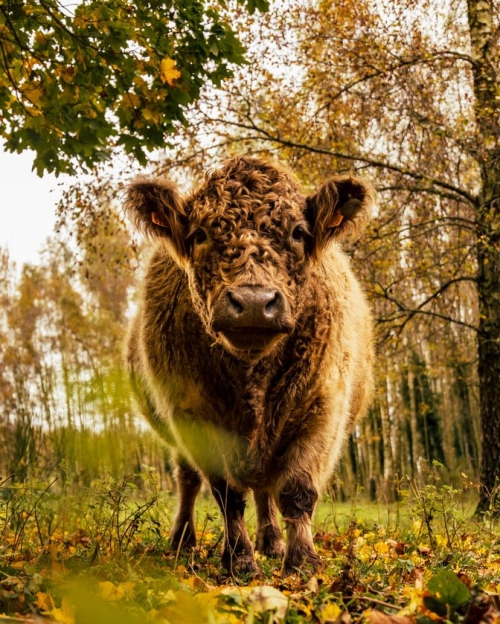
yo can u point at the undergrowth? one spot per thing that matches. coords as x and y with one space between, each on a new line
100 554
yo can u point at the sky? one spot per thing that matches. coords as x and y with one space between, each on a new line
27 206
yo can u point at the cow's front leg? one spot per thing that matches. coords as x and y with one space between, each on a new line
296 499
269 539
237 553
188 485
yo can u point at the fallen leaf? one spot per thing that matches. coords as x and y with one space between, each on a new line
378 617
66 614
264 598
111 592
425 551
44 602
312 585
329 612
399 547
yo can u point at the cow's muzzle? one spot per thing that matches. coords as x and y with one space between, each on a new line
251 317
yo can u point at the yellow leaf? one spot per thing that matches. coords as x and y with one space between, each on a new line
33 94
130 100
68 73
186 608
66 614
111 592
329 612
18 565
166 597
152 115
40 38
381 548
168 72
128 588
44 602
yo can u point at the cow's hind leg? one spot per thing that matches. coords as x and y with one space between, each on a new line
269 539
188 485
237 553
296 501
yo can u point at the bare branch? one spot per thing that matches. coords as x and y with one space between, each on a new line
409 313
267 136
421 189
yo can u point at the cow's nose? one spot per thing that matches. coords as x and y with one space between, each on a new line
248 307
254 306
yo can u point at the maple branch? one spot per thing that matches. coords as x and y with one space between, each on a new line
82 39
15 86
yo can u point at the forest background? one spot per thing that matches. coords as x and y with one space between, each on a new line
405 95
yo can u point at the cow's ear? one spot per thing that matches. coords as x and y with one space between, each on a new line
339 209
157 209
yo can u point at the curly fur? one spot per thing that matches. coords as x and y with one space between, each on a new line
275 423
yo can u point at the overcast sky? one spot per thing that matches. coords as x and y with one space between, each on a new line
27 206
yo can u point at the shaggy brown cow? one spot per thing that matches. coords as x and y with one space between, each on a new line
251 351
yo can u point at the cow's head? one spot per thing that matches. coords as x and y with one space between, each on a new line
247 238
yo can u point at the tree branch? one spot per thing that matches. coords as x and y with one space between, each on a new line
409 313
267 136
422 189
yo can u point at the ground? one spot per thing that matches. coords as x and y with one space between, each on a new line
100 554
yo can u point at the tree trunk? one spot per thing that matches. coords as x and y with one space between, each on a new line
487 93
416 448
388 484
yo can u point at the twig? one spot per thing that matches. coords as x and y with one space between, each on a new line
180 545
376 601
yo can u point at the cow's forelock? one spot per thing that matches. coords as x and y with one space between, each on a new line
248 223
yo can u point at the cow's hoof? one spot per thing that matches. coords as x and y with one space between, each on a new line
244 565
181 539
307 564
272 549
270 543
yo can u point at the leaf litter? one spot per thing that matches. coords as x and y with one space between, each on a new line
113 565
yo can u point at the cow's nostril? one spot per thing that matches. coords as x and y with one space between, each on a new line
272 306
234 305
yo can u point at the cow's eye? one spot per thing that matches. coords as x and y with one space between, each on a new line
199 236
299 233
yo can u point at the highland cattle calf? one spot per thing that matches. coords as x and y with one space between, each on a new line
251 350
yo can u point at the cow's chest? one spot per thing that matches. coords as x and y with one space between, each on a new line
240 437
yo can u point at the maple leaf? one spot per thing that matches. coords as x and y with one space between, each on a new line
168 71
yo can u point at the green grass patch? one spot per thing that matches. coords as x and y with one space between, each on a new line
100 554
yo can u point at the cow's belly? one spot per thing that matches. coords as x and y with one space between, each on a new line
249 460
209 446
216 451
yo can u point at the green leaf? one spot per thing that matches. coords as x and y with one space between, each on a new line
435 605
256 5
448 589
68 74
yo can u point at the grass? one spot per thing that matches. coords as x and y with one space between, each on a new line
100 554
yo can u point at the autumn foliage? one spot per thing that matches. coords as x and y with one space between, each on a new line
405 94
